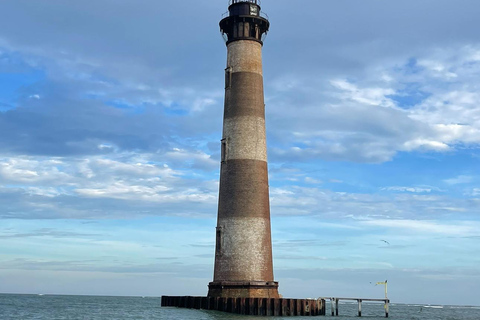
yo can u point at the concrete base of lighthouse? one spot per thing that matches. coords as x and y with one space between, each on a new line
251 306
247 289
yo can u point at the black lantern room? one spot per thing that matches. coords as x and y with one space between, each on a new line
244 22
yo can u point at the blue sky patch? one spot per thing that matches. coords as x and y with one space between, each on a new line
13 86
410 96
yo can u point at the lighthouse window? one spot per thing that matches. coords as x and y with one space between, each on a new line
246 31
224 150
219 240
228 77
240 29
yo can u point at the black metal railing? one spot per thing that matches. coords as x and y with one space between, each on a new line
262 14
251 1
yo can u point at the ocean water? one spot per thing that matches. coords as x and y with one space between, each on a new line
52 307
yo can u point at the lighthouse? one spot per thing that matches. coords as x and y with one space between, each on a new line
243 281
243 249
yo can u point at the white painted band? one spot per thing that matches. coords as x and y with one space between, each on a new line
246 256
245 138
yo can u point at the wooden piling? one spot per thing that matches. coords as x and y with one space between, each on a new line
277 307
292 307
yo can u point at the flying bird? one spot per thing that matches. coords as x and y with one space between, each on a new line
386 242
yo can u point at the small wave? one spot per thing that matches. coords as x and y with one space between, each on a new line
434 307
413 305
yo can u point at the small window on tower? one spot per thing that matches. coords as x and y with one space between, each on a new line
254 31
240 30
246 32
219 241
224 150
228 77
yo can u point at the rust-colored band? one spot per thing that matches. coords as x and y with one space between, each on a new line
244 189
245 96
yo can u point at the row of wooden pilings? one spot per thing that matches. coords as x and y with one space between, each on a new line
250 306
334 304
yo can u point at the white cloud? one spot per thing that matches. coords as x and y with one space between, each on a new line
457 228
45 191
425 144
32 170
437 68
475 192
369 96
313 180
157 193
137 169
409 189
197 159
463 179
66 187
428 105
457 133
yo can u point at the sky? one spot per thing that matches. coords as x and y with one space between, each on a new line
110 126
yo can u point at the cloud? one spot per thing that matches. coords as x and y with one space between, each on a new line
475 192
307 243
294 257
459 180
48 232
452 228
368 96
371 119
312 180
93 266
322 202
410 189
110 97
32 170
43 187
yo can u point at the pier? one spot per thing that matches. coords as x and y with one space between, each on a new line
334 304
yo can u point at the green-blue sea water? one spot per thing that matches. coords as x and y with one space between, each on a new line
53 307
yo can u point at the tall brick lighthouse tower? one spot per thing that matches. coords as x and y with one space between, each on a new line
243 253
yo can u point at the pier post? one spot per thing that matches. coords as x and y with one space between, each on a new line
359 307
336 306
386 308
331 305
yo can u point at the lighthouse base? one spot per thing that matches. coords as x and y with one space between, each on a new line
251 306
247 289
